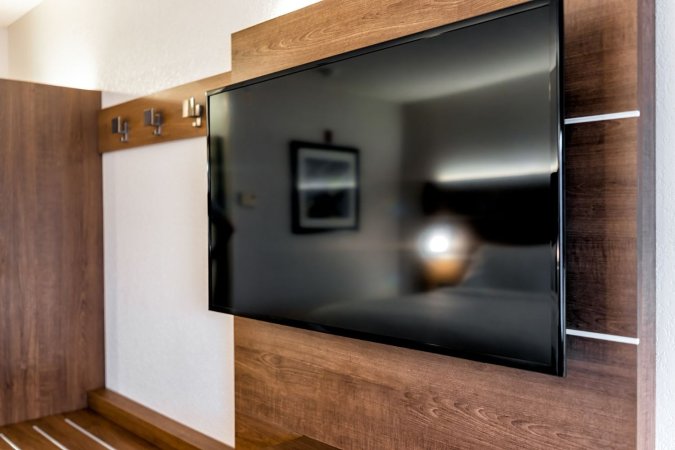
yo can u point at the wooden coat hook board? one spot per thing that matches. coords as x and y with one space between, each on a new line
177 122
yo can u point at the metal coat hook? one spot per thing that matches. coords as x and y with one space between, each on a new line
193 109
153 119
120 126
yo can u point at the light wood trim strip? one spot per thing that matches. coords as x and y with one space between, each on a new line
148 424
646 227
170 103
332 27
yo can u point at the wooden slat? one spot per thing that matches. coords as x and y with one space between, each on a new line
25 437
331 27
252 433
170 103
116 436
362 395
600 56
4 445
148 424
51 250
601 194
69 437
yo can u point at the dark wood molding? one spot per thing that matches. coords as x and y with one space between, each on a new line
51 250
148 424
170 103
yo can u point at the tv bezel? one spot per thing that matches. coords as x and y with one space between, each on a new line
558 366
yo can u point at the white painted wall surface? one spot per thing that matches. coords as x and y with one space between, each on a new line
4 53
163 348
129 45
665 224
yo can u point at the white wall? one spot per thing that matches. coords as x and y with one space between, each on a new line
4 53
163 348
131 46
665 224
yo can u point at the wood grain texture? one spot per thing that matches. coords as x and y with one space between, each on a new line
302 443
113 434
170 103
26 437
252 433
600 41
646 257
57 428
600 56
148 424
331 27
601 204
362 395
51 255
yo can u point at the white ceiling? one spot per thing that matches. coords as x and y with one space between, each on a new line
11 10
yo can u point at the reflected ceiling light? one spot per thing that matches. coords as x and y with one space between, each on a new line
441 241
458 174
326 185
438 243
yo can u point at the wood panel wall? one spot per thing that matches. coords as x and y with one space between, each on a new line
362 395
51 251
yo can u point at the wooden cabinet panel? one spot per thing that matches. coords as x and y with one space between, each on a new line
51 250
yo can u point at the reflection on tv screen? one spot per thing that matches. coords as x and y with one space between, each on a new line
408 194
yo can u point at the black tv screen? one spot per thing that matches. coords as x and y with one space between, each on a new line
407 193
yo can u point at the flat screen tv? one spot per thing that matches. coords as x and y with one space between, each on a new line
408 193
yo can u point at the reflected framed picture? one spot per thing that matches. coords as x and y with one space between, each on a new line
325 187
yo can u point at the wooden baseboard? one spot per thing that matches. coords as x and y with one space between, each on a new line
148 424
